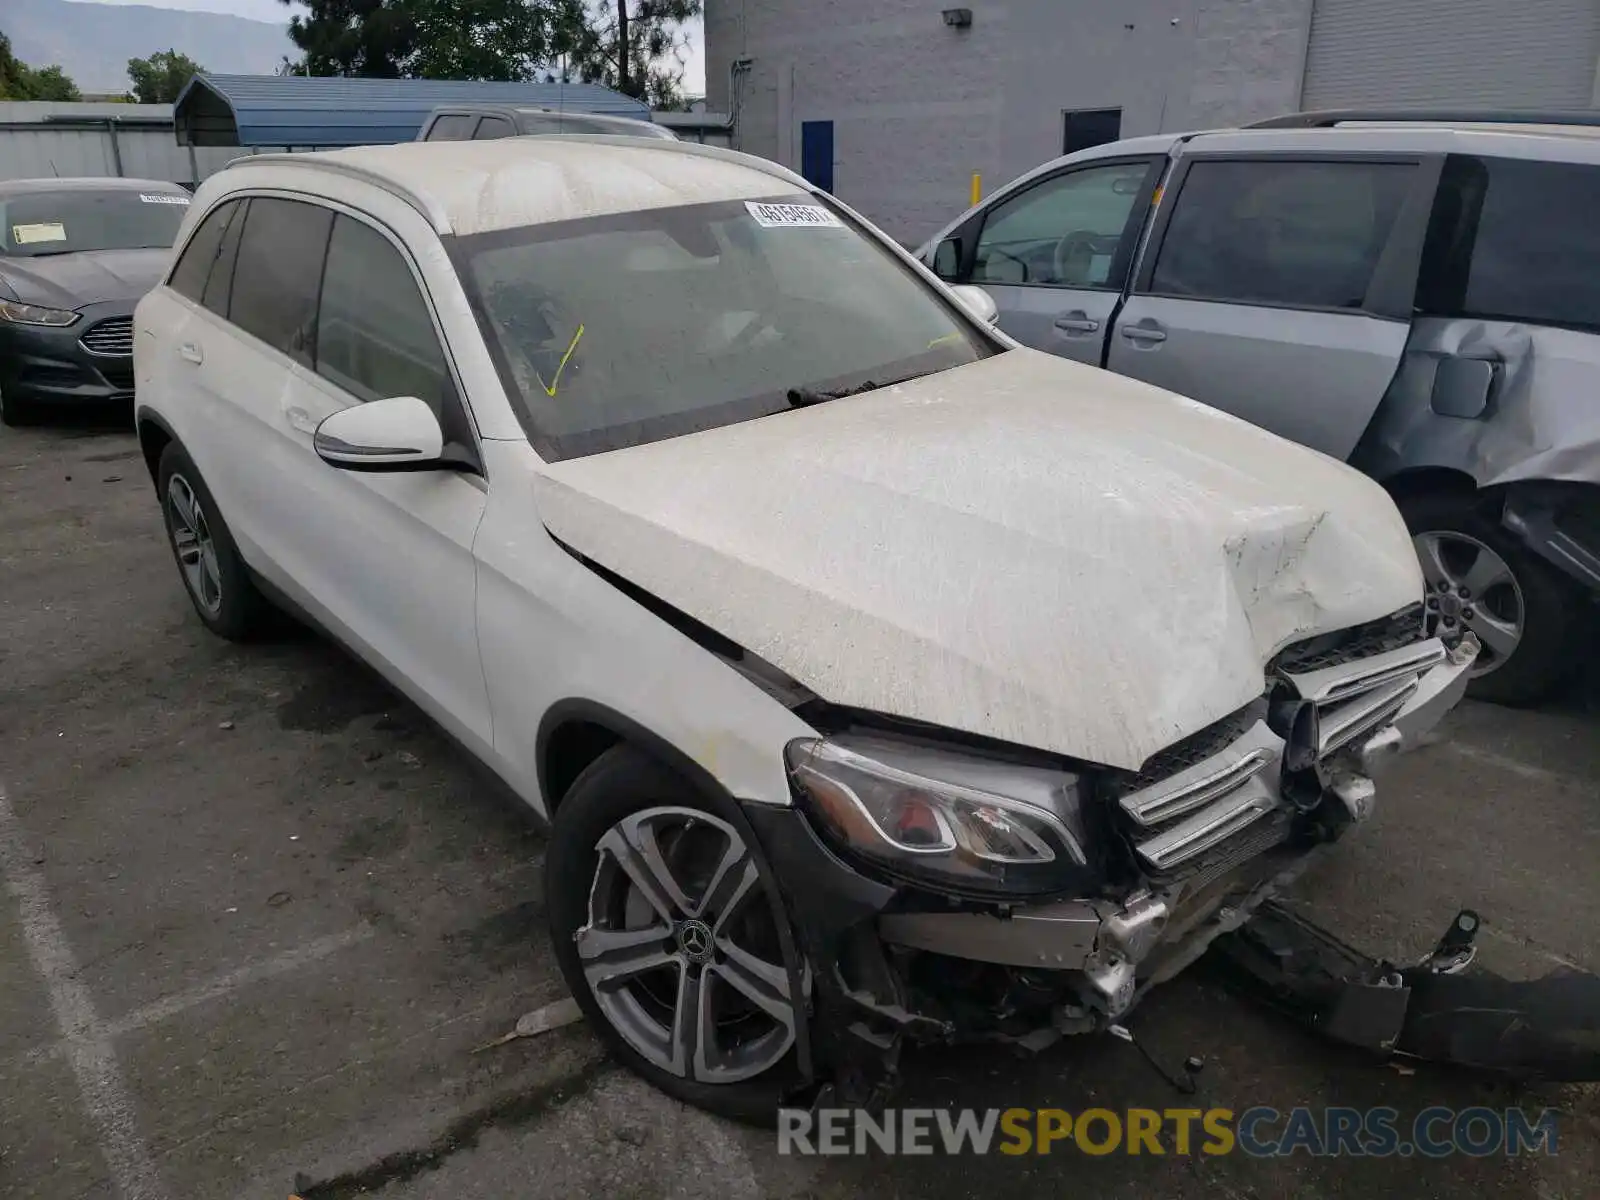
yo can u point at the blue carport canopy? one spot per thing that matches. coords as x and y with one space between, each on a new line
287 110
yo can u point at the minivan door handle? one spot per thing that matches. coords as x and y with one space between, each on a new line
190 352
1077 321
1144 333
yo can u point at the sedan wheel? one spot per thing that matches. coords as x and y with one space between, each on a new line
680 950
1472 587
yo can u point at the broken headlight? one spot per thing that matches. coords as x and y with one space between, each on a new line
941 816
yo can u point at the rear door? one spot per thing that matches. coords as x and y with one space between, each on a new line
1280 288
1056 254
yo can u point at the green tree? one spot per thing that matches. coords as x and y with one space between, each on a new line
370 38
18 81
159 78
637 47
484 39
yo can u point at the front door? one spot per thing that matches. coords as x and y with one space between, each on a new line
1055 255
1280 291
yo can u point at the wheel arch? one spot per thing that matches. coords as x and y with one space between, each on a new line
1416 481
155 435
574 732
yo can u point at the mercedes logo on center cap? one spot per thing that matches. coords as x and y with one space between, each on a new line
694 939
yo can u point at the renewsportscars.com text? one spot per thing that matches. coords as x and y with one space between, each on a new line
1260 1132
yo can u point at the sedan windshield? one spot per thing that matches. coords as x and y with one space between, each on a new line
65 222
619 330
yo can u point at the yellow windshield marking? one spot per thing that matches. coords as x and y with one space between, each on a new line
550 388
939 341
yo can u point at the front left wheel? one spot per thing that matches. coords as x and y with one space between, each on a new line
668 936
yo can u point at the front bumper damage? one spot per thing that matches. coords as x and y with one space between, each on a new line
1213 842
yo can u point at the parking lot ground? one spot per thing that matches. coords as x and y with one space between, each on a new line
259 919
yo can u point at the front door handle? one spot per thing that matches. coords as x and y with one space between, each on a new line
1144 333
300 419
190 352
1077 321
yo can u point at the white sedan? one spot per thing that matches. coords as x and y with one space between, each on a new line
880 679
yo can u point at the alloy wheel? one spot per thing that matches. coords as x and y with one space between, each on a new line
1471 587
191 538
681 948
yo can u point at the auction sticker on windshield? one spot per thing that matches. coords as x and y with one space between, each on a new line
792 216
43 231
162 198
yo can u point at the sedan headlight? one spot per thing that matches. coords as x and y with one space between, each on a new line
35 314
943 816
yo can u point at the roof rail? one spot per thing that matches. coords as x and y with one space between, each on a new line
1442 116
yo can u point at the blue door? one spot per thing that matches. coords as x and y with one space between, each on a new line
816 153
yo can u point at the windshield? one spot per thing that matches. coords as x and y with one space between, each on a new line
66 222
619 330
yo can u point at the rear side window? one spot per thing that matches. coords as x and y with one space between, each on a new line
494 127
1515 240
1290 234
375 337
451 127
276 277
194 265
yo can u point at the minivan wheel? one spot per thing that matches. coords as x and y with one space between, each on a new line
213 574
667 933
1480 578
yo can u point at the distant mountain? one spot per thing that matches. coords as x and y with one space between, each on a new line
93 42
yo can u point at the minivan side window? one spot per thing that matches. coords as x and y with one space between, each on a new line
1514 240
1063 232
189 277
375 337
275 279
495 127
1280 233
452 127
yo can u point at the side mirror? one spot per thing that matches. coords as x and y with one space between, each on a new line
946 260
397 434
978 302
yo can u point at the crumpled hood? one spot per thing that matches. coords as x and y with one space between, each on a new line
87 277
1023 548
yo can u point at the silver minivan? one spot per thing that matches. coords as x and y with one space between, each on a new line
1415 293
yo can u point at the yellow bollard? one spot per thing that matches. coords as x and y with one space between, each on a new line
977 189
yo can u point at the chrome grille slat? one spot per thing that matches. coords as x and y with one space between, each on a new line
1342 725
1210 827
112 337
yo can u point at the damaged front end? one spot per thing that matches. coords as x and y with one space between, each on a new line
949 892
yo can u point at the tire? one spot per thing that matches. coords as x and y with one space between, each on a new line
224 596
626 797
1544 603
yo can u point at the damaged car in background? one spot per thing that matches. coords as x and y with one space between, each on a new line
882 680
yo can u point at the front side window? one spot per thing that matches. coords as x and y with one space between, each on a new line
615 331
375 337
494 127
1063 232
39 224
277 272
452 127
1292 234
1515 240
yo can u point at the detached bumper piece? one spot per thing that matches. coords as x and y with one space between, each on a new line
1435 1011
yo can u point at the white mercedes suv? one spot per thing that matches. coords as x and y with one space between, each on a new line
880 679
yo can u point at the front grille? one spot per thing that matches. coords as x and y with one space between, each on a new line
1211 801
112 337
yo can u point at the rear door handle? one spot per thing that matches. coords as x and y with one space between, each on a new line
1143 333
1077 322
190 352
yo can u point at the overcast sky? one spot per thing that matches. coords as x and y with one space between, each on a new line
694 78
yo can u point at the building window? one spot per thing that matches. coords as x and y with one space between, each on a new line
1090 127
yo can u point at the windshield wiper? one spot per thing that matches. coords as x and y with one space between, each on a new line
806 397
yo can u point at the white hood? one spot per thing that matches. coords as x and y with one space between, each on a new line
1023 548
